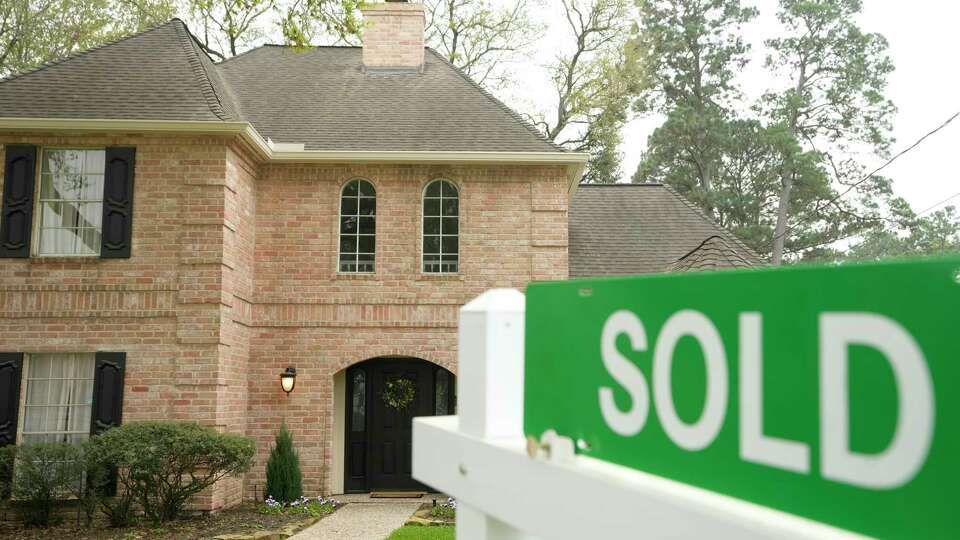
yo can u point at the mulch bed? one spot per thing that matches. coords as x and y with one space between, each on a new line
240 519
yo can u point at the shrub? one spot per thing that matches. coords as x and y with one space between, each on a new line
160 465
7 454
45 473
447 510
284 480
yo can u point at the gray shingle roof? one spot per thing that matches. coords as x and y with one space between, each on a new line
621 229
319 97
153 75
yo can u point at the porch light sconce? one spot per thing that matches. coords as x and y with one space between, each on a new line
288 379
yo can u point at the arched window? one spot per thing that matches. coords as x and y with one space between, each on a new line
441 227
358 226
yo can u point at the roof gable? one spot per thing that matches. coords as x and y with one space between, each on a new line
154 75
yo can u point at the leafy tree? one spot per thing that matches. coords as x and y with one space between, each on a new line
834 105
284 479
36 31
694 51
937 234
594 83
479 37
228 27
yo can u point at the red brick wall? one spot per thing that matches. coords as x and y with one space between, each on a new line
233 278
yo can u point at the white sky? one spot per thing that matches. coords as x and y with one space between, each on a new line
924 46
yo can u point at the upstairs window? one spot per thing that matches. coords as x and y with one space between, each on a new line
441 227
71 202
358 226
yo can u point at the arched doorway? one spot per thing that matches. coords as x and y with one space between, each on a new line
378 428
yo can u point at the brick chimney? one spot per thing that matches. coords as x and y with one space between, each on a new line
393 35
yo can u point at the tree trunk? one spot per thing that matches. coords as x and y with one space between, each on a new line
780 231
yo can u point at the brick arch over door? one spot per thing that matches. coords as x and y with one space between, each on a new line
442 356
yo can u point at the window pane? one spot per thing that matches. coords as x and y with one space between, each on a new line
349 206
450 244
57 241
450 225
366 188
367 225
365 262
89 241
431 244
449 190
431 225
348 225
433 190
368 206
442 393
367 244
350 190
92 214
348 244
451 207
359 402
348 263
431 207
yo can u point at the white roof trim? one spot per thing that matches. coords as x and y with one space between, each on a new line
294 152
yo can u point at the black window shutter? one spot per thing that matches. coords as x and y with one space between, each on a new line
18 185
11 365
107 391
117 203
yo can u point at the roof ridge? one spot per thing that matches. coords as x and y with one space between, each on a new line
207 88
283 46
620 184
516 116
84 52
701 213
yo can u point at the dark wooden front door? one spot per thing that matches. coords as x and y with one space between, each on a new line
379 441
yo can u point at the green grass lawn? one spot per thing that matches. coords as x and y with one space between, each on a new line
417 532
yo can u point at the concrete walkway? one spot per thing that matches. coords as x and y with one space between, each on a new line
363 518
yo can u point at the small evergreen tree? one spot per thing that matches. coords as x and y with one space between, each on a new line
284 480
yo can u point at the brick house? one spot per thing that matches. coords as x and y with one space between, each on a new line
175 233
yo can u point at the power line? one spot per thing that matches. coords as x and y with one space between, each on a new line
820 208
948 199
851 235
894 158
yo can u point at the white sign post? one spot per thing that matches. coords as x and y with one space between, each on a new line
481 458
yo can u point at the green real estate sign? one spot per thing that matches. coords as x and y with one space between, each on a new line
826 392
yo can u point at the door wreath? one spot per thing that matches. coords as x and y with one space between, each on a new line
399 393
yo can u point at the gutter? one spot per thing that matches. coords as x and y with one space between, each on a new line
575 162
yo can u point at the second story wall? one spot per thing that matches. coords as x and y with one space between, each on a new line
512 230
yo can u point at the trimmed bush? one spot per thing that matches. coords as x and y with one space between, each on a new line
284 479
160 465
45 474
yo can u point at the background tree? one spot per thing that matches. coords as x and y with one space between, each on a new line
481 38
834 105
36 31
694 50
595 82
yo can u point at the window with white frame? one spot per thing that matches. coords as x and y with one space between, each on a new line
57 398
71 201
441 227
358 227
